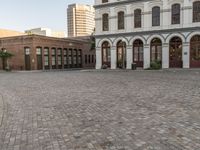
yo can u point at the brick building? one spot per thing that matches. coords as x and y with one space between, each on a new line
35 52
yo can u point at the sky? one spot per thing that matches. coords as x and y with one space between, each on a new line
21 15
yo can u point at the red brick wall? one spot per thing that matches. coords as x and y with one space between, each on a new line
16 45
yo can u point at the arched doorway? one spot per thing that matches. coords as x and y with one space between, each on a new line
106 55
156 50
195 52
121 54
175 53
138 51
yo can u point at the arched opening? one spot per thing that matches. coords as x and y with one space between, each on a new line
156 16
175 53
176 14
106 55
121 54
156 50
121 20
196 11
138 18
105 23
138 51
195 52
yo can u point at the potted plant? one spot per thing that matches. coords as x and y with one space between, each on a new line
120 64
104 66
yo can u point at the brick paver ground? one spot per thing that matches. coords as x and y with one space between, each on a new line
114 110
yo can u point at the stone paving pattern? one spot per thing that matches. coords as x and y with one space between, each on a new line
113 110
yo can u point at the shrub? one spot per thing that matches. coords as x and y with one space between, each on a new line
155 65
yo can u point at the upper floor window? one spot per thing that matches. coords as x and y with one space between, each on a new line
104 1
138 18
105 24
120 20
176 9
196 11
156 16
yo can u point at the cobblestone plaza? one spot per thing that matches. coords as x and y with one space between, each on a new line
100 110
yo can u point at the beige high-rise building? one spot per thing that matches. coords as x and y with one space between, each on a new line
80 20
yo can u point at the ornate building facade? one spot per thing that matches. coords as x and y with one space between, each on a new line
142 31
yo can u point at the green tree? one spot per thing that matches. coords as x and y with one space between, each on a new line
4 55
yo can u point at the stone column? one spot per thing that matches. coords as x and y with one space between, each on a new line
113 20
129 57
165 55
98 58
146 56
113 58
186 55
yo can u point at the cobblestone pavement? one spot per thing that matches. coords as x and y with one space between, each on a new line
114 110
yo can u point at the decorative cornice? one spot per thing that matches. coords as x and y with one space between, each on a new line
149 32
118 3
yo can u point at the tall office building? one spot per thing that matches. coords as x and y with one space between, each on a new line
80 20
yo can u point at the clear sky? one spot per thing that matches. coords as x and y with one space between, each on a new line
21 15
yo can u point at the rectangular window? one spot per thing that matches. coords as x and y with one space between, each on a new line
27 51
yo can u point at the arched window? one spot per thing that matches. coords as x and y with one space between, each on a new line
176 11
195 51
156 50
156 16
196 11
120 20
106 56
121 54
175 53
105 24
138 18
138 51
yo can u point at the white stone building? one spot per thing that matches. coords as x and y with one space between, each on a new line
141 31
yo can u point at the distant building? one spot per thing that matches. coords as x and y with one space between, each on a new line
36 52
7 33
46 32
80 20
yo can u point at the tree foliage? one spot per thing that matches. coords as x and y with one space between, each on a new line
6 54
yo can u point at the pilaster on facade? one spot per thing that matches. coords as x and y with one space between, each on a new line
128 18
113 57
129 56
186 55
98 58
165 55
146 56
